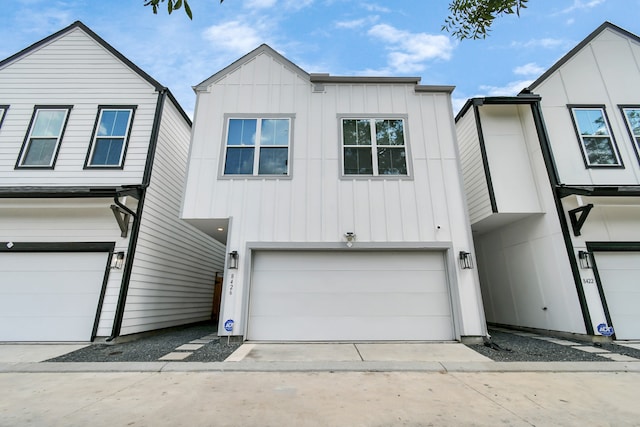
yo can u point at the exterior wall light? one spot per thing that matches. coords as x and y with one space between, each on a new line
233 260
117 262
464 258
584 258
351 237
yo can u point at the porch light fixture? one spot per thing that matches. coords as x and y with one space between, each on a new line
584 258
118 260
233 259
464 258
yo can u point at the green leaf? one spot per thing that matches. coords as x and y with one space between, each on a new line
187 10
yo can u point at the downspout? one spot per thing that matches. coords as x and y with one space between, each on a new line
135 228
552 172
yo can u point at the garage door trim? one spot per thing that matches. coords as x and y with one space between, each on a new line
12 247
445 247
608 247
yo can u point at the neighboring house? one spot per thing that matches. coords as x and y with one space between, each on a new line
340 203
552 178
92 160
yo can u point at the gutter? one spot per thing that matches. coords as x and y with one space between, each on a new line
135 228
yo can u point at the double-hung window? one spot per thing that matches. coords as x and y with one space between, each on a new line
374 146
257 146
110 137
632 118
41 145
596 141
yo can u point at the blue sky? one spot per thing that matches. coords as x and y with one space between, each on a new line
340 37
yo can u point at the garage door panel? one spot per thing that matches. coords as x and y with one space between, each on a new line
54 298
325 281
353 329
369 296
620 279
373 261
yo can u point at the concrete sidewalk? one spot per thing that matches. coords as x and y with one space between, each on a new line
307 357
303 399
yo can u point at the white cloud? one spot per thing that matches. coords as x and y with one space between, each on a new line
530 69
234 36
582 4
297 4
409 51
356 23
375 8
546 43
259 4
510 89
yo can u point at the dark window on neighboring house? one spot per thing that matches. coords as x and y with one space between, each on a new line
596 140
632 119
110 137
41 145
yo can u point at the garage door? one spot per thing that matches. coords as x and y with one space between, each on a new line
620 279
49 296
349 295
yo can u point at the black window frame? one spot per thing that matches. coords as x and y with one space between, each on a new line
583 150
26 143
94 137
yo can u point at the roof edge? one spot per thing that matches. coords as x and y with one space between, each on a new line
521 98
605 25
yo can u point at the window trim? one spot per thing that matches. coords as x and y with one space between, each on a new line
3 113
245 116
94 136
27 138
635 140
377 116
585 157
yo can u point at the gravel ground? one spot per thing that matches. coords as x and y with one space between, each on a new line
151 348
515 348
510 347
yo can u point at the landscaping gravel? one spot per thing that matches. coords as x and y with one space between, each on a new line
151 348
512 347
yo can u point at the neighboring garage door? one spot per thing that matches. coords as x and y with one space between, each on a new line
620 279
49 296
349 295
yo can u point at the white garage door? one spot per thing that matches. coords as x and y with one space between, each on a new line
349 295
620 278
49 296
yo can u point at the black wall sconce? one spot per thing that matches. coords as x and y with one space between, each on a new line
465 260
584 258
233 260
117 262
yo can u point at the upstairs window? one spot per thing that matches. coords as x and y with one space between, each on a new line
41 145
632 118
110 137
596 141
257 147
374 147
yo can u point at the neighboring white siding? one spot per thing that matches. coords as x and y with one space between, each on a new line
473 172
315 204
175 264
605 72
72 70
64 220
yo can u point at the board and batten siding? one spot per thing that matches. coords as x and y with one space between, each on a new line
473 172
175 264
314 204
606 71
72 70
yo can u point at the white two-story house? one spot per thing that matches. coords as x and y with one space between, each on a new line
552 178
93 153
340 202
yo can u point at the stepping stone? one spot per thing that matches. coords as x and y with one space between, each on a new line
587 349
619 357
190 347
181 355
